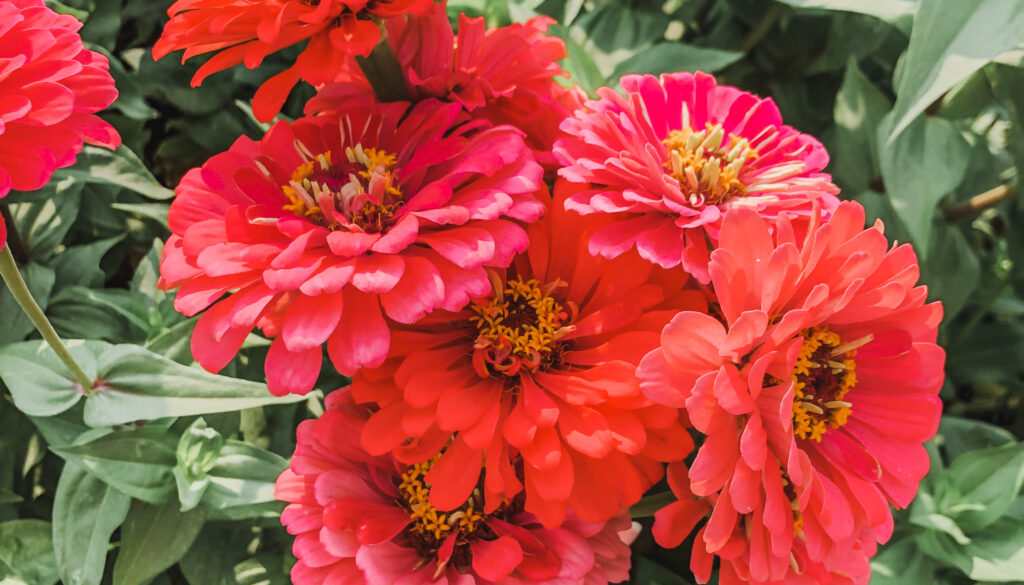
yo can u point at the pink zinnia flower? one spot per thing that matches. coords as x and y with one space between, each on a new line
815 383
326 221
246 31
362 519
540 371
673 154
51 88
505 74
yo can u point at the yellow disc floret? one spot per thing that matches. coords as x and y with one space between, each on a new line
824 373
707 164
430 525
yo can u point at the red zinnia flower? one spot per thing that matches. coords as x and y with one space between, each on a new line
674 154
326 220
543 368
361 519
505 74
50 89
246 31
815 386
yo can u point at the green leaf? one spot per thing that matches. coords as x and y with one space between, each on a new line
988 480
648 572
614 32
242 482
42 224
997 553
859 108
140 384
920 167
26 552
155 211
899 13
81 264
14 324
212 559
120 167
154 538
951 40
9 497
671 57
901 563
39 382
138 462
86 512
960 435
951 270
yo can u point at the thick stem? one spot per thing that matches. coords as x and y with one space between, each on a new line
989 198
383 71
11 275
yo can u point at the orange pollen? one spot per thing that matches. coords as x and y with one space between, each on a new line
357 194
824 372
519 327
706 164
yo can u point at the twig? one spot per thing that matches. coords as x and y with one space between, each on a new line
989 198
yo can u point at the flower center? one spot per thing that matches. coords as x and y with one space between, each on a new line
430 527
824 372
707 165
518 327
357 194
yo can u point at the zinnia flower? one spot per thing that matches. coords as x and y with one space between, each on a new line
50 89
815 383
848 564
325 221
362 519
246 31
674 154
542 371
505 75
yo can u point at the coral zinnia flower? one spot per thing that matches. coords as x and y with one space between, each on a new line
363 519
246 31
323 222
50 89
543 368
505 74
846 564
674 154
815 387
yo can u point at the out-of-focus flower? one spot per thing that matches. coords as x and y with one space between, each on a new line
51 86
363 519
504 75
815 382
326 221
541 371
246 31
673 154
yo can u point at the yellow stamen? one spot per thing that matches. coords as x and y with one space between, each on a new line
818 403
706 164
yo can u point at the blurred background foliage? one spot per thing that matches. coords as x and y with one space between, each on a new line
920 102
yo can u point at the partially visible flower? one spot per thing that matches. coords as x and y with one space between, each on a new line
325 222
363 519
505 74
51 86
537 381
673 154
246 31
815 382
742 559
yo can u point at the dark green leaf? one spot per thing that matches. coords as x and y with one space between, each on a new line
39 382
153 539
26 552
86 512
899 13
120 167
672 57
988 481
14 324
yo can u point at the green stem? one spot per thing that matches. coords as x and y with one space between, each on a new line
383 71
11 275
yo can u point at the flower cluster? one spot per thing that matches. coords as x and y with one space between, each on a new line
546 305
51 88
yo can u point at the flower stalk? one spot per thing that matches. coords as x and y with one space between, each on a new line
16 284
